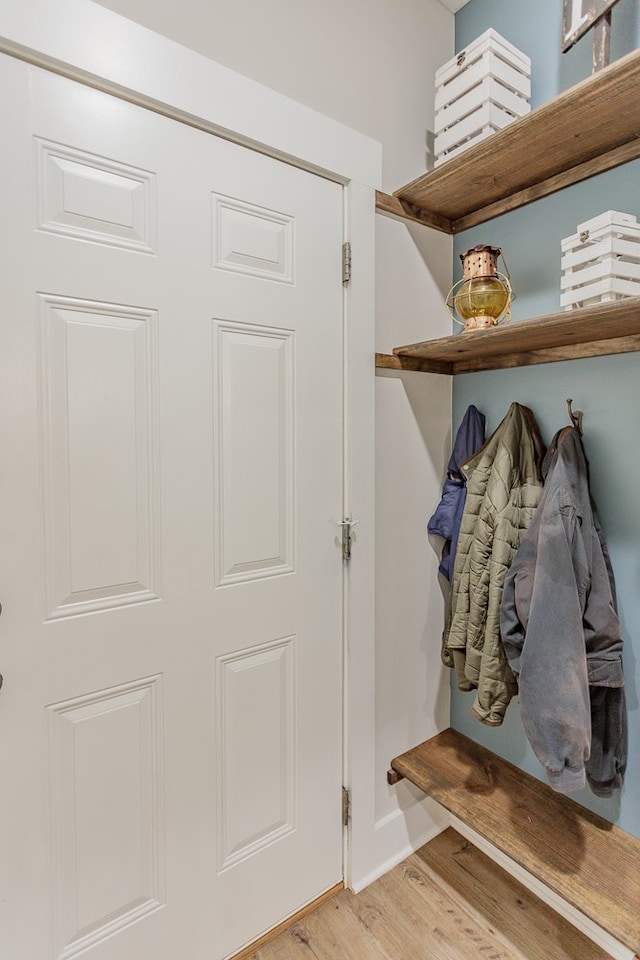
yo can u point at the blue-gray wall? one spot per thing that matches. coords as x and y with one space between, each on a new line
607 389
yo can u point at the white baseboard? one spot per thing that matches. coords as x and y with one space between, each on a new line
393 861
590 929
399 834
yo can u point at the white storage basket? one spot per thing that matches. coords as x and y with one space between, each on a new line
601 261
480 90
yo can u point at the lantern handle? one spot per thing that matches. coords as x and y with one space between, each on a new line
575 416
506 270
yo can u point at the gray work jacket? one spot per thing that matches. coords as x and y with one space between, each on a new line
561 633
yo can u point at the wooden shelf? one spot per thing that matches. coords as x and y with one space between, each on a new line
605 328
589 128
590 863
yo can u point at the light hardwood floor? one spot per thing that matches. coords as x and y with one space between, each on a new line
446 902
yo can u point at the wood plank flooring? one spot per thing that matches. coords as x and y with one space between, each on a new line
446 902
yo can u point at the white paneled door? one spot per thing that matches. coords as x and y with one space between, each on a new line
171 474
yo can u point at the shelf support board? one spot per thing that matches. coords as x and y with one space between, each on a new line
388 361
575 351
585 130
404 210
591 168
597 330
592 864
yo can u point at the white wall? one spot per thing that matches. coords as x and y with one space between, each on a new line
370 65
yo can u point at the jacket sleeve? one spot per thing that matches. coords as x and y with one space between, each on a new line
543 636
445 522
496 683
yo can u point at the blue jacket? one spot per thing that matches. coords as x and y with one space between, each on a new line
561 633
445 522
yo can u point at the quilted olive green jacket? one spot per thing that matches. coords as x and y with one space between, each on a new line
504 486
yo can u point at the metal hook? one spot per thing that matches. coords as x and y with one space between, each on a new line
575 416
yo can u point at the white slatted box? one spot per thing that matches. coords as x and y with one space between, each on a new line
601 261
482 89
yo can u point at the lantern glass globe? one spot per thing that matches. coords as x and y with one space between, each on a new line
481 297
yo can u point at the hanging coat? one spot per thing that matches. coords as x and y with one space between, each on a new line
445 522
504 486
561 633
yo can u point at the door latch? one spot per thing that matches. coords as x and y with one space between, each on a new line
347 526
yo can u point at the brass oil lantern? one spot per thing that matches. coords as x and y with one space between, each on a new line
483 296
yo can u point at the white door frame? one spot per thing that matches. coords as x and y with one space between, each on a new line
88 43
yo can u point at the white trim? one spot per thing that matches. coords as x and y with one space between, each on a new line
454 5
397 858
590 929
399 834
359 503
85 42
91 44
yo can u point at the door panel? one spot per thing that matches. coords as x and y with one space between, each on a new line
263 676
170 725
255 447
106 808
93 198
98 411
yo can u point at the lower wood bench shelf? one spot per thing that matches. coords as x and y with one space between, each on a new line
587 861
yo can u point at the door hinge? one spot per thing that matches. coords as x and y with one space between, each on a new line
346 806
346 262
347 526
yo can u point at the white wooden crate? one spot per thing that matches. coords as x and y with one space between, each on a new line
601 261
482 89
489 40
489 90
480 124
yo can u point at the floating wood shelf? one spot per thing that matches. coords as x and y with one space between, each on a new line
590 863
592 127
595 331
